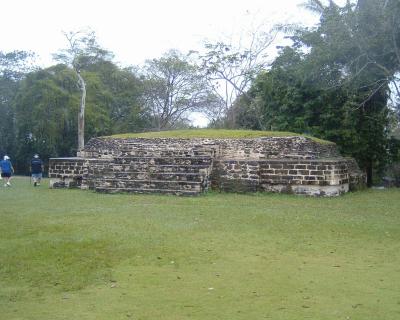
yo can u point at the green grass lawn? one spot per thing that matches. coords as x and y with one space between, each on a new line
214 134
71 254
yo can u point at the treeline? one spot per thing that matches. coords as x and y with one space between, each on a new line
337 81
39 110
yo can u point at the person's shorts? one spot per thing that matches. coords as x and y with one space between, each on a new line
37 175
6 174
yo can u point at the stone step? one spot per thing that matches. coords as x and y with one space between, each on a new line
148 191
160 176
148 184
145 167
170 144
164 160
166 152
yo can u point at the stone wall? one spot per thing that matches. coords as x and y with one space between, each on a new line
312 177
66 172
141 174
260 148
190 166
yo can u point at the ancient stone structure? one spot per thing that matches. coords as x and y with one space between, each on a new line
191 166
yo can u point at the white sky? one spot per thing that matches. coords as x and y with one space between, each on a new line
137 30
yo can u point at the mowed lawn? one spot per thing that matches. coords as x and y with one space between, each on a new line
71 254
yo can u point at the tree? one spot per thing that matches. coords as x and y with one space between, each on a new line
47 104
13 68
173 88
45 109
230 69
359 44
82 51
334 81
122 90
366 34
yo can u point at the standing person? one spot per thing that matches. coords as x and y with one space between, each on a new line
6 170
36 170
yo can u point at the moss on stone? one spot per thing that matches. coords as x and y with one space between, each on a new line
215 134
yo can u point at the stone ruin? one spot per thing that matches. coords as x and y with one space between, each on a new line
292 164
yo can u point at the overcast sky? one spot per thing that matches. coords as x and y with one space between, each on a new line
137 30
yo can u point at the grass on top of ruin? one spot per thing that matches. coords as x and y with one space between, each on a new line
214 134
73 254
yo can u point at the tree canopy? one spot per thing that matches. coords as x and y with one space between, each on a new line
173 88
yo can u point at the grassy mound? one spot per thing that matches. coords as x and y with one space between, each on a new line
214 134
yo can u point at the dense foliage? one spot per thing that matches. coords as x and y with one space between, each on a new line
41 113
335 81
174 86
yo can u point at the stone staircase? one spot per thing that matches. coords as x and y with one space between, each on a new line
190 166
156 170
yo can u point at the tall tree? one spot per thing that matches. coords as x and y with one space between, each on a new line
47 104
119 92
82 51
231 67
364 38
334 81
358 44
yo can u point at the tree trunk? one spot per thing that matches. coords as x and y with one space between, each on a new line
81 114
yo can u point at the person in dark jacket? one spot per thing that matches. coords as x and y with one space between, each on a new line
6 170
36 170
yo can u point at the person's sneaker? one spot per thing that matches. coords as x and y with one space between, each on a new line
35 184
8 184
